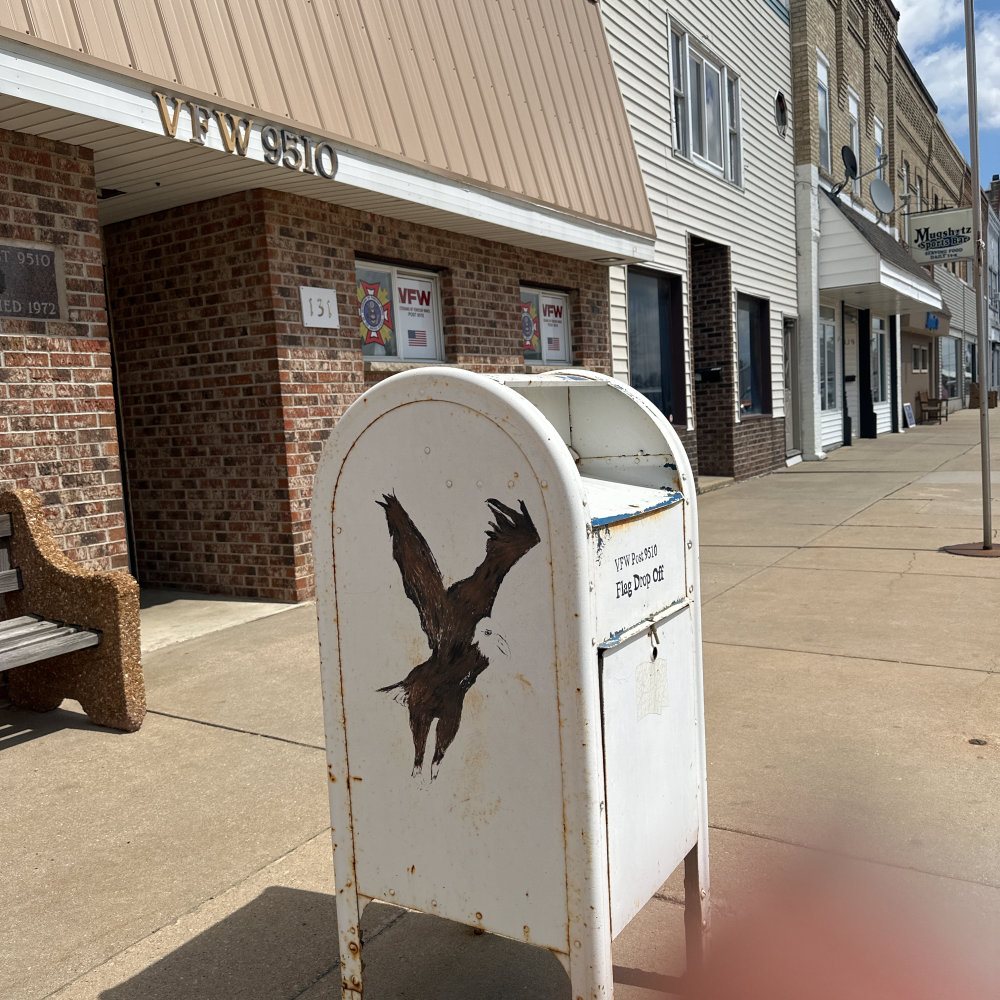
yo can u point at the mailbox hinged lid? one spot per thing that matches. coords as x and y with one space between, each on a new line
638 552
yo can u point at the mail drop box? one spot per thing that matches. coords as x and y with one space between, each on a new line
510 634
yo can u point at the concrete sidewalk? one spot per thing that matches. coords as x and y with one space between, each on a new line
848 663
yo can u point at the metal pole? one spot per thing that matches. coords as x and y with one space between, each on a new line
977 264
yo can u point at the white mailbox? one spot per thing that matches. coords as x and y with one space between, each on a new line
510 631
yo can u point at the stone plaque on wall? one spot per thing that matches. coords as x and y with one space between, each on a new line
31 285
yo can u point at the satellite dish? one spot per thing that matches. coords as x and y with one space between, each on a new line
850 162
881 195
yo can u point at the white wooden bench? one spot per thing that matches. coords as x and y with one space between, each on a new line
65 632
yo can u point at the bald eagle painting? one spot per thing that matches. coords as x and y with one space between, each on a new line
455 620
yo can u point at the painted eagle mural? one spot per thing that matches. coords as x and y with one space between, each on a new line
455 620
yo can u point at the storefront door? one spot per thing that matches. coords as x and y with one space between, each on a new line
791 332
851 368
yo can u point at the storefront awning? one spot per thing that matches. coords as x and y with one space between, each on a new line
176 114
863 265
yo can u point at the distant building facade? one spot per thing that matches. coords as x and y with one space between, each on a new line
938 349
856 280
707 328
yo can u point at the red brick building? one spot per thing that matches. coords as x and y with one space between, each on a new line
214 237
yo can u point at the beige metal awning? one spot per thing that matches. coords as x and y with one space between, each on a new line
864 266
501 121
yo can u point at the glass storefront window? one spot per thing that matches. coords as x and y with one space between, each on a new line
753 344
879 361
398 312
949 367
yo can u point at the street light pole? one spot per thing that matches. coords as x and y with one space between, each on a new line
977 266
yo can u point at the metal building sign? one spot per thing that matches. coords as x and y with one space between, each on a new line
30 285
510 638
942 236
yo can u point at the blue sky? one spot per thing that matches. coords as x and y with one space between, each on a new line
933 34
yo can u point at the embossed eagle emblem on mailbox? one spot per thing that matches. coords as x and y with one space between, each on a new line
455 620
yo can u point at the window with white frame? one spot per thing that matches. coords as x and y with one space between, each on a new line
854 120
399 312
906 191
920 359
706 104
823 94
827 358
878 363
545 326
679 80
733 125
879 148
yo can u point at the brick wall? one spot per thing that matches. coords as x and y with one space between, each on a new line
725 447
227 397
712 346
758 446
57 420
201 403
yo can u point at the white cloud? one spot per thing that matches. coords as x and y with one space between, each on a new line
942 66
922 22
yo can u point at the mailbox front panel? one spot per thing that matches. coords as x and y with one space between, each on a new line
651 759
446 640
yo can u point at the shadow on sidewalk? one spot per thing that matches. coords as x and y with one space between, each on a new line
283 945
19 726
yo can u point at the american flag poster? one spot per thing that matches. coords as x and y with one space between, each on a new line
553 344
415 316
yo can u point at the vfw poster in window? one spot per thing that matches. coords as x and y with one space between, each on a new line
545 326
415 316
375 310
554 328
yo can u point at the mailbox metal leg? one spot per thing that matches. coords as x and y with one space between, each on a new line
349 928
695 907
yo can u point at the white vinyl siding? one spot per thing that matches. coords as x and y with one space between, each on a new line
619 322
758 221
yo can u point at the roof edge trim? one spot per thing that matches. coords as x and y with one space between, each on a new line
20 46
